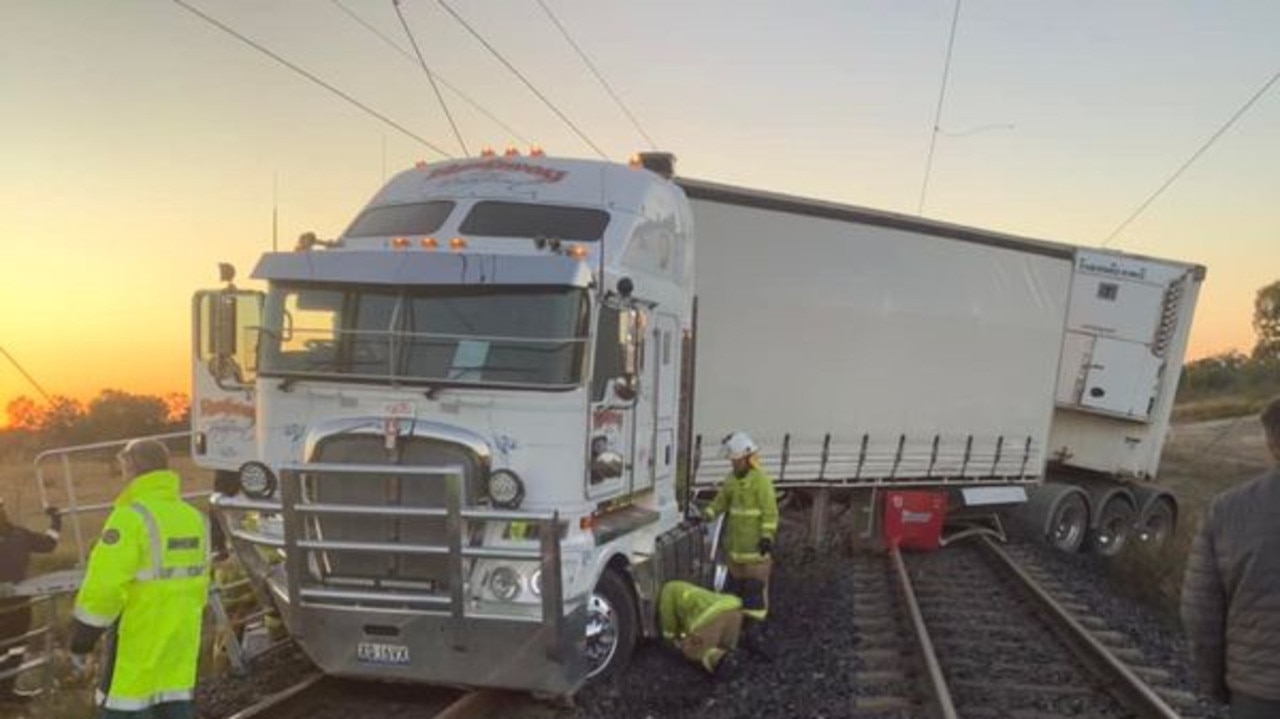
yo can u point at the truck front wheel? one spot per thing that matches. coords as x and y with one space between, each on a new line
611 627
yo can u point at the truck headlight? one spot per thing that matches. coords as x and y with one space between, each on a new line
505 489
256 480
504 582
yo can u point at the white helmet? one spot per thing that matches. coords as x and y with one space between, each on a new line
738 445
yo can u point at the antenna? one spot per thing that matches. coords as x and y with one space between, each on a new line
275 211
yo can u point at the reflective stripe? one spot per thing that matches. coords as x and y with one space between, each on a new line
93 620
746 557
153 529
735 512
769 526
724 604
187 572
757 614
133 704
158 570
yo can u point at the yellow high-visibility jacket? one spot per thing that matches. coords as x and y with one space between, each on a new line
148 576
753 513
683 607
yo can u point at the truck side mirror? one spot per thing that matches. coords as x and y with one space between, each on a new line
224 325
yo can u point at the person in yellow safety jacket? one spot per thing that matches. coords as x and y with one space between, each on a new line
704 625
747 496
147 581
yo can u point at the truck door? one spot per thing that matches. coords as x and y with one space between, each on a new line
224 356
622 406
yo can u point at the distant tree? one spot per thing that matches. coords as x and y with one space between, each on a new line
23 413
114 414
179 407
1212 375
63 422
1266 322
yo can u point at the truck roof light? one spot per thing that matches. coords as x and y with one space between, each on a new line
457 244
420 165
635 162
400 243
511 152
430 243
536 151
488 152
578 252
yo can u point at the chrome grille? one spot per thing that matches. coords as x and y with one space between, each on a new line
386 490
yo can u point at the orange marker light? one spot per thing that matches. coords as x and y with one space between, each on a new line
578 252
635 162
536 151
420 164
457 243
400 243
488 152
430 243
512 152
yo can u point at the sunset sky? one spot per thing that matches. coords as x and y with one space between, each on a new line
142 145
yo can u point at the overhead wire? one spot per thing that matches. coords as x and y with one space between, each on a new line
937 114
430 77
1194 156
591 66
26 374
440 78
260 48
493 51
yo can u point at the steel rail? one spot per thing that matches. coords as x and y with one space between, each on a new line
1126 687
939 691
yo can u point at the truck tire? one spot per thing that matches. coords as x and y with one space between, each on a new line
1068 522
1156 524
1115 523
611 627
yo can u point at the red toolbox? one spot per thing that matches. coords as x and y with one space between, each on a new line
913 519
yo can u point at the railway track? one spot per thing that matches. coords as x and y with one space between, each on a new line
978 632
320 697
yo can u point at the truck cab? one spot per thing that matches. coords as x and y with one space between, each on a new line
455 425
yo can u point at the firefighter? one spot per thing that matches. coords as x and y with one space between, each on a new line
17 544
146 582
747 496
704 625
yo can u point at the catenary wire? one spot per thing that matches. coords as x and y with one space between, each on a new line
937 114
422 62
591 66
260 48
523 79
442 80
1194 156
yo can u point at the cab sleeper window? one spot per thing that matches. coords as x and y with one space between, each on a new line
416 218
516 219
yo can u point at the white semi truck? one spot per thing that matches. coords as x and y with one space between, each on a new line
459 426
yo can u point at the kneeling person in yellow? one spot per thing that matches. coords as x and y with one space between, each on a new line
702 624
147 582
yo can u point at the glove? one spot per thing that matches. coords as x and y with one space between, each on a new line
55 518
766 546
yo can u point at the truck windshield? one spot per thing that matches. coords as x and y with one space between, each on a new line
512 337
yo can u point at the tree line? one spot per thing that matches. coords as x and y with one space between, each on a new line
114 414
1253 376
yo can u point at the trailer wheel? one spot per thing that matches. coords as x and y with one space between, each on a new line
1114 525
1156 524
1068 523
611 627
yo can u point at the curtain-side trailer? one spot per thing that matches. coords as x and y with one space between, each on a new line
866 349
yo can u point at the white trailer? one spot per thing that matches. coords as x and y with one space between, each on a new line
459 426
867 349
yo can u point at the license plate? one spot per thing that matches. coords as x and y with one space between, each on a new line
375 653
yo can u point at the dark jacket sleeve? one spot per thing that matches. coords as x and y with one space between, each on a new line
1204 610
83 637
